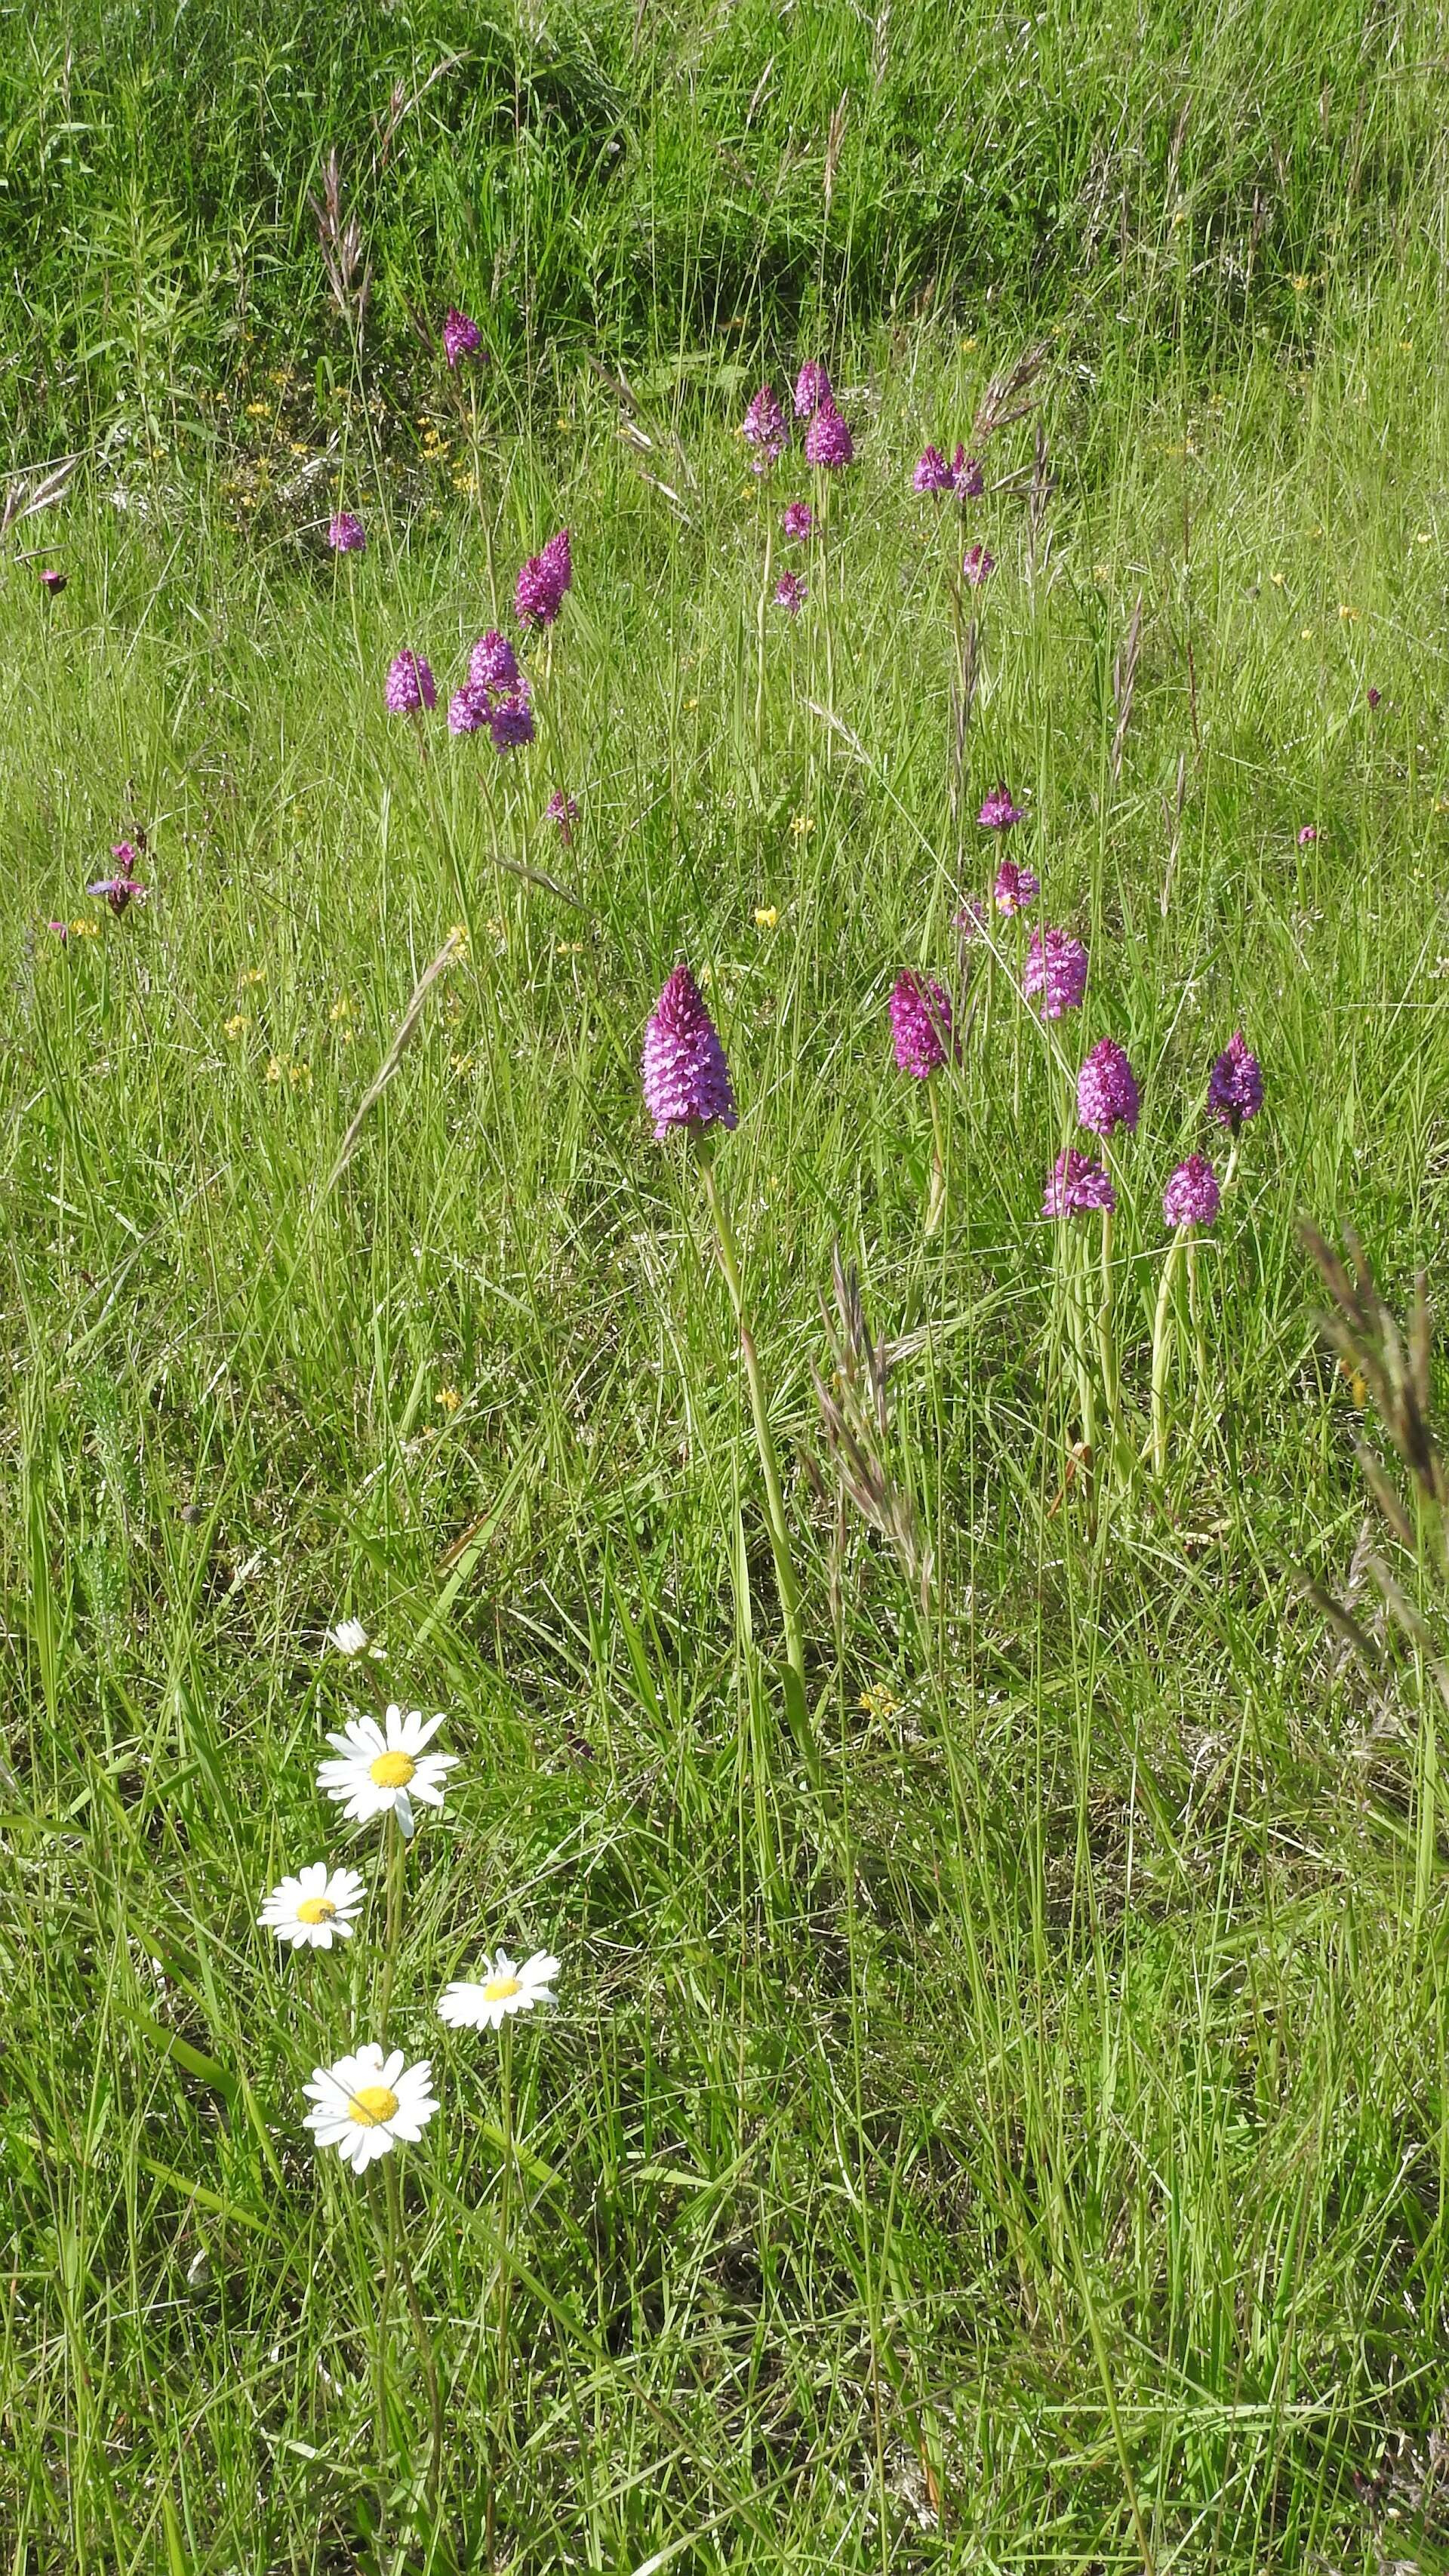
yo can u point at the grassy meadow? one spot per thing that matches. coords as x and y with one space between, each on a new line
995 2111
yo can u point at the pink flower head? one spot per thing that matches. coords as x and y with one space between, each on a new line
1235 1085
998 813
467 709
52 581
1192 1196
828 442
461 336
686 1079
124 886
970 921
61 930
410 685
1078 1187
1015 888
346 534
812 388
542 582
1107 1090
791 593
1056 968
977 565
764 428
920 1024
1308 834
967 476
562 810
1374 695
797 519
510 720
493 664
932 473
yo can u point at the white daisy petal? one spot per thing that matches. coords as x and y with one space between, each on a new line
367 2104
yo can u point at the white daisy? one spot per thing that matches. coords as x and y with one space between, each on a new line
349 1637
503 1989
365 2104
381 1773
308 1909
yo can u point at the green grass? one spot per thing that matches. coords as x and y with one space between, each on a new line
1030 2092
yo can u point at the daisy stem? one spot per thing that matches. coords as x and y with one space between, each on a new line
398 2252
789 1589
505 2275
396 1855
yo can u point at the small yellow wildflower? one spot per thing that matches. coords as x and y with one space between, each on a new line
341 1008
254 975
568 948
259 411
705 978
85 930
461 1063
239 1020
802 825
449 1398
1300 285
1306 633
878 1702
1423 537
1350 613
766 916
689 705
969 342
1406 344
274 1068
1277 579
458 933
299 447
300 1076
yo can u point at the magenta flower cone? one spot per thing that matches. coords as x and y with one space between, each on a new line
920 1024
686 1079
1107 1095
1235 1085
1077 1186
1192 1196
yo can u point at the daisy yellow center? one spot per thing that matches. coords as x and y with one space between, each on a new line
316 1909
371 2105
393 1770
499 1989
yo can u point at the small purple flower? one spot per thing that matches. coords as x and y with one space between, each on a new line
1192 1196
977 565
967 476
461 336
410 686
764 428
125 886
932 473
346 534
686 1079
920 1024
971 920
828 442
61 930
510 721
1107 1090
1308 834
1235 1085
1077 1186
1015 888
791 593
812 388
797 519
467 709
1373 695
493 664
1056 968
562 810
52 582
998 813
542 582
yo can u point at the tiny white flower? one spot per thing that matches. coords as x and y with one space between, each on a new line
365 2104
380 1773
349 1637
308 1909
503 1989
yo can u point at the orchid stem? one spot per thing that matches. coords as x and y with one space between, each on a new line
769 1464
1162 1340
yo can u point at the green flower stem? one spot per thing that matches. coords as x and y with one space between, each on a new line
936 1196
396 1858
398 2252
1107 1343
505 2283
1162 1340
762 615
1078 1303
774 1498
